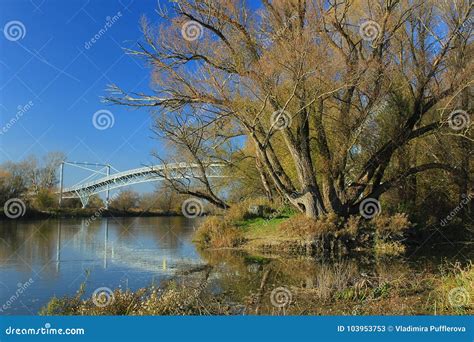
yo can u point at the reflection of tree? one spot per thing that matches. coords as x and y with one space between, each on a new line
239 276
171 232
35 243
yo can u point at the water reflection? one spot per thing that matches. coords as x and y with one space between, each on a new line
135 252
127 252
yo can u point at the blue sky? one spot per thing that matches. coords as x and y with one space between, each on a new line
50 68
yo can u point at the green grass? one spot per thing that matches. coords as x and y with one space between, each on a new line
260 227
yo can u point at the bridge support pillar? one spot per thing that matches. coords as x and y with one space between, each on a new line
84 197
61 182
107 194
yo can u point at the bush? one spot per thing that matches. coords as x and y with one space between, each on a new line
333 278
172 299
389 231
455 289
353 231
125 200
65 305
218 233
390 227
308 228
391 248
240 211
45 199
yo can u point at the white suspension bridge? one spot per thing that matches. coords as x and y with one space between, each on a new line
107 181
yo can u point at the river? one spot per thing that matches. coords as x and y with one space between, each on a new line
40 259
53 257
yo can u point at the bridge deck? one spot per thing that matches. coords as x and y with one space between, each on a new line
139 175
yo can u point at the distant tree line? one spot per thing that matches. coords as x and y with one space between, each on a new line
35 181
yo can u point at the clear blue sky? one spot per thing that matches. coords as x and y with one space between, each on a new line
51 67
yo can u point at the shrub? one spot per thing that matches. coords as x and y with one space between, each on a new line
218 233
389 248
389 231
125 200
334 278
308 228
353 225
45 199
352 228
454 291
65 305
240 211
390 227
172 299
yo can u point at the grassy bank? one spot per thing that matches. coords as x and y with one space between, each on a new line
281 230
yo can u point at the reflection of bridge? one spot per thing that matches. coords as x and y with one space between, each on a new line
156 260
135 176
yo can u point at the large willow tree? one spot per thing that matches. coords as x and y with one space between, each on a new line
327 92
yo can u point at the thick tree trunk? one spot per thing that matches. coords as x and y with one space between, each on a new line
264 178
311 203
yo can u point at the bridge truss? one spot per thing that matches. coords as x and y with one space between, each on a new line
85 190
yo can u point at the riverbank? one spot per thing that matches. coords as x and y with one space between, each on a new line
310 288
288 233
265 236
282 231
31 213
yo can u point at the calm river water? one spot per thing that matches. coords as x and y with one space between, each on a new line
46 258
53 257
